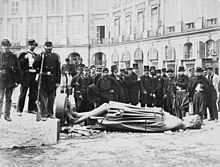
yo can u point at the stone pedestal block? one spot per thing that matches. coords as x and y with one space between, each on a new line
25 131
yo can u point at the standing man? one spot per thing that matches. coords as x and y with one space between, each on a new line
123 77
50 79
28 81
170 91
145 88
97 75
212 105
10 75
159 83
182 99
199 92
133 83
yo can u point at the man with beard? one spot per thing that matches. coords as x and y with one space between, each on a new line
51 77
182 99
97 75
146 88
118 94
123 77
199 92
28 81
169 91
83 82
133 83
105 84
10 75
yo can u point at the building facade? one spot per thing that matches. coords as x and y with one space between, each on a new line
163 33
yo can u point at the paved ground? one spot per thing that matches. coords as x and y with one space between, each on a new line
181 149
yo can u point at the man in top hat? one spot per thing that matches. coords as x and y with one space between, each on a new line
215 81
51 77
133 84
146 88
97 75
182 99
158 89
118 94
83 82
28 81
169 91
105 85
10 75
123 77
199 92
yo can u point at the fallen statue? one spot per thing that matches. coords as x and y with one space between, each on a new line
116 116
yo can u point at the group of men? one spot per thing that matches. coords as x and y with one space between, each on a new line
93 86
26 69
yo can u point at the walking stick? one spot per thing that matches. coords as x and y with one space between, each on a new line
38 116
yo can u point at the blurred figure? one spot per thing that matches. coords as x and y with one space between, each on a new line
92 70
97 75
191 72
159 83
123 77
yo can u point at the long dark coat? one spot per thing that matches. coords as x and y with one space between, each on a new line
146 90
118 93
125 90
51 64
24 64
9 63
159 83
133 88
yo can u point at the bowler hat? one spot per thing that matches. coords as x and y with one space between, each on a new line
105 69
122 70
135 66
92 66
5 42
181 68
48 43
32 42
199 69
152 68
67 59
170 70
86 68
191 69
113 67
129 68
146 68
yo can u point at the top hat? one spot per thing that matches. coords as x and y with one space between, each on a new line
209 67
181 68
158 71
199 69
170 70
122 70
32 42
146 68
5 42
164 69
48 43
113 67
105 69
135 66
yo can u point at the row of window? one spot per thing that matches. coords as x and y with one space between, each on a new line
35 6
54 30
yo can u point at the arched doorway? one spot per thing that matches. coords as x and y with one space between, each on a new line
126 58
170 57
187 50
99 58
76 56
138 58
115 58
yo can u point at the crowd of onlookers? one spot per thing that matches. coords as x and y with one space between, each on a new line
95 85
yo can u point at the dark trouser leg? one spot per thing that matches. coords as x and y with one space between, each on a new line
169 103
142 105
8 94
43 101
21 98
199 103
32 92
51 96
2 93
